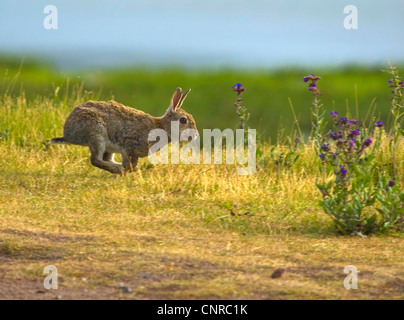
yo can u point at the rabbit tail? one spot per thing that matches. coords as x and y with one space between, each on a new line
58 141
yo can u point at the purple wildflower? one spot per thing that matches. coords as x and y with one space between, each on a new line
394 83
355 132
379 124
390 184
311 76
334 115
335 135
351 143
367 143
238 87
313 83
343 120
313 87
322 157
326 147
343 171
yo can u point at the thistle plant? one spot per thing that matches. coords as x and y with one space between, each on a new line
359 193
241 110
317 111
345 155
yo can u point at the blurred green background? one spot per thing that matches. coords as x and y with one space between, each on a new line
361 92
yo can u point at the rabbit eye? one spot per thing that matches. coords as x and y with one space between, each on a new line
183 120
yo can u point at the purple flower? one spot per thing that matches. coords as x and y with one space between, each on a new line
343 120
393 84
313 83
334 115
367 143
390 184
312 86
309 77
334 155
351 143
238 87
325 147
379 124
343 171
355 132
322 157
335 135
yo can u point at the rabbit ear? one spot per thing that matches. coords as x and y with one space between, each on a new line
175 100
183 98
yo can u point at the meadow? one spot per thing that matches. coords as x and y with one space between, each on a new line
182 231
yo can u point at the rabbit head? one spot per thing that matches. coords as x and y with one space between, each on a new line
175 113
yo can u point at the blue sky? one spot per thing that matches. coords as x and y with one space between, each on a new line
254 33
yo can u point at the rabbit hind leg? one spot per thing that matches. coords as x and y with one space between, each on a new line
102 161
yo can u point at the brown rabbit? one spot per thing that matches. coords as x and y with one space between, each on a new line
110 127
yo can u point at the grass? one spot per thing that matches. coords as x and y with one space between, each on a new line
167 231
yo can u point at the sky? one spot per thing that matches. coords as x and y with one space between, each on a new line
230 33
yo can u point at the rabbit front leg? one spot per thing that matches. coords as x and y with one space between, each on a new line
129 161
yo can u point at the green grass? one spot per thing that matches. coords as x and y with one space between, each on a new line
167 231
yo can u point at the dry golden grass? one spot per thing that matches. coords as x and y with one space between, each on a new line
167 231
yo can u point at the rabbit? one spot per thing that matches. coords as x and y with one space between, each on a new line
110 127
